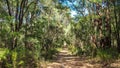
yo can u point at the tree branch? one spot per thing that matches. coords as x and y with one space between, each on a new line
9 9
21 15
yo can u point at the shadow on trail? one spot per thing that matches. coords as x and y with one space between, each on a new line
65 60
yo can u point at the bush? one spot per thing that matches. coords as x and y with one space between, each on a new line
107 54
47 55
75 50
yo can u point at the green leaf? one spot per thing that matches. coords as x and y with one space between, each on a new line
96 1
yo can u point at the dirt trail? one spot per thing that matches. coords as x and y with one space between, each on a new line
66 60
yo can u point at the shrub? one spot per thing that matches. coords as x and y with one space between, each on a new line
107 54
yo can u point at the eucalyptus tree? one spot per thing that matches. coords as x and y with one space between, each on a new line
102 17
31 25
18 12
116 12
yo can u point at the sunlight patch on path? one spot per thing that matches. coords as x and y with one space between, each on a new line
66 60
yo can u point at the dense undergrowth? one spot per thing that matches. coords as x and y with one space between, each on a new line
104 55
33 30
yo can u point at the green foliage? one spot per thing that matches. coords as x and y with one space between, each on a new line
76 50
107 54
3 53
96 1
31 30
73 49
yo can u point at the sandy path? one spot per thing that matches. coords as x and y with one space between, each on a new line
65 60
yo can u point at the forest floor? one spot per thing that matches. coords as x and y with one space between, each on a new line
66 60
